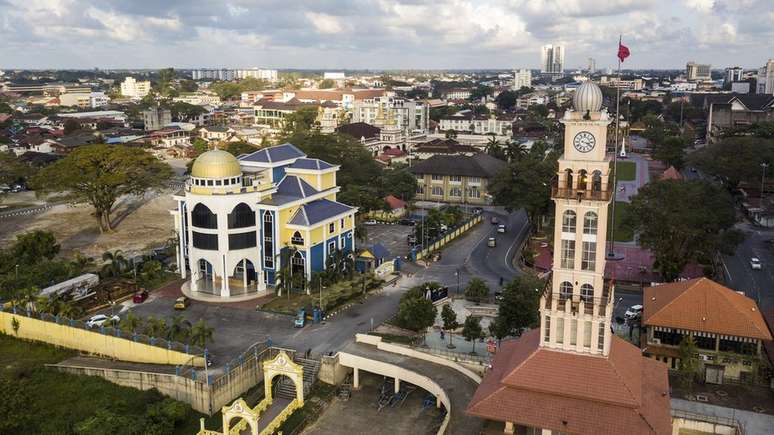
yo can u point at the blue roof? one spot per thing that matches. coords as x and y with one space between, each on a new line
317 211
379 250
279 153
306 163
295 187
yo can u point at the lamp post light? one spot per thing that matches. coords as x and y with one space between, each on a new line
763 180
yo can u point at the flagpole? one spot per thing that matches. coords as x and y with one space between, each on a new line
611 253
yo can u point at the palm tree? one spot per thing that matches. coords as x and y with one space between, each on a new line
179 328
491 145
118 263
516 150
201 333
130 323
155 327
28 296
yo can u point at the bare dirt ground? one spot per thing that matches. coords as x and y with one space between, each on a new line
140 223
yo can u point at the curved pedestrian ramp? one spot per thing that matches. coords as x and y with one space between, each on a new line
279 402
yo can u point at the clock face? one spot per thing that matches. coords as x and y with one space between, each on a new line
584 142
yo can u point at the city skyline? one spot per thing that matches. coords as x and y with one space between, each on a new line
379 34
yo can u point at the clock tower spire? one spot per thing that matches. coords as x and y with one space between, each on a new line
577 308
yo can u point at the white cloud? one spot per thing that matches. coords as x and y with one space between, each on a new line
324 23
704 6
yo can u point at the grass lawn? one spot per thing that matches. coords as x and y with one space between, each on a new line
626 171
620 234
42 400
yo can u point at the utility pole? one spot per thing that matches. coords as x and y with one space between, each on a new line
763 180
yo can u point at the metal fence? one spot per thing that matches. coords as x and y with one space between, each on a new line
712 419
113 331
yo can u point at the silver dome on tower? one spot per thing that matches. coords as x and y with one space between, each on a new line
588 98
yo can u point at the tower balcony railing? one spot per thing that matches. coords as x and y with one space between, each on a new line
573 302
583 192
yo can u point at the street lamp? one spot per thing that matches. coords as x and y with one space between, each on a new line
457 274
763 180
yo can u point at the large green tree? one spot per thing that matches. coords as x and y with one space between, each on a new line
681 222
526 183
506 100
736 158
450 323
518 309
415 311
477 290
472 331
100 174
688 370
398 182
670 151
35 246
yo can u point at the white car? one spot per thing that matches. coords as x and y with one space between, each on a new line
756 264
370 222
100 320
501 228
634 312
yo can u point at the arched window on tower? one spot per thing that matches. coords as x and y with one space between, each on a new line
241 216
587 293
568 221
596 181
568 179
590 223
202 217
582 179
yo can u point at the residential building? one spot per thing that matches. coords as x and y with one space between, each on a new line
552 59
334 76
104 115
698 72
135 89
240 221
430 148
592 68
272 114
411 115
458 179
198 99
344 98
214 133
456 94
766 78
98 99
270 75
225 74
727 328
481 124
726 111
740 88
572 375
156 118
75 99
733 74
522 78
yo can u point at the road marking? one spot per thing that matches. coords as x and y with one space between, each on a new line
726 268
486 234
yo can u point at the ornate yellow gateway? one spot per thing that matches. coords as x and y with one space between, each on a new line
268 414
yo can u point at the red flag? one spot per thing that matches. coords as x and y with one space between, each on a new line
623 51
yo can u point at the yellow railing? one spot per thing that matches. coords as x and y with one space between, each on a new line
279 419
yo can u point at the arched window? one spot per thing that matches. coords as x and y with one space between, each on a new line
565 290
587 292
241 216
596 181
202 217
568 179
297 239
568 221
582 179
590 223
268 240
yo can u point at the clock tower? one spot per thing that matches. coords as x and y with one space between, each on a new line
576 310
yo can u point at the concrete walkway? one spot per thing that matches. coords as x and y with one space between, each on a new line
642 177
752 423
458 387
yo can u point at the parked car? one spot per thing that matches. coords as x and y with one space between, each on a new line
182 303
409 222
140 297
756 264
494 220
501 228
444 228
492 242
370 222
100 320
300 320
478 210
634 312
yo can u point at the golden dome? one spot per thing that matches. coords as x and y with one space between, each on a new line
216 164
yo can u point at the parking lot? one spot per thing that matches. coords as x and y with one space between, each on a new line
392 237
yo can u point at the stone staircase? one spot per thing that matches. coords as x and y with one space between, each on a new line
285 387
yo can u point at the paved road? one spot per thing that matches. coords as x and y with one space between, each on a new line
757 284
238 328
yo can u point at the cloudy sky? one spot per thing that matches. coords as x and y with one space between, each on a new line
382 34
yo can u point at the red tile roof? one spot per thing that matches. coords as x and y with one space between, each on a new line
703 305
537 387
672 174
395 203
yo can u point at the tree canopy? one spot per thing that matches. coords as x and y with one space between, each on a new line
682 222
518 309
231 90
100 174
506 100
477 290
526 182
735 158
670 151
415 312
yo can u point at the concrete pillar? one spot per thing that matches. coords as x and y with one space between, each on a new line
397 385
356 379
438 402
244 274
509 427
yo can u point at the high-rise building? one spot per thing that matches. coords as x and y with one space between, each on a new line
592 65
766 78
522 78
572 374
234 74
135 89
552 59
698 72
390 111
155 118
733 74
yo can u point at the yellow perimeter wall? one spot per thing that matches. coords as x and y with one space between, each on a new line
93 342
